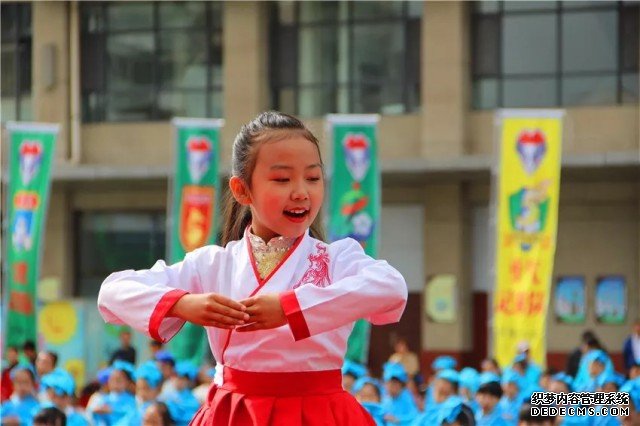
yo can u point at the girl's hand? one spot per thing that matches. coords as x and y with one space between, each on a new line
210 310
265 312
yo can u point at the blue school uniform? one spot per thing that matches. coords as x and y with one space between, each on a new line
494 418
433 411
377 412
121 404
402 407
182 405
22 408
582 377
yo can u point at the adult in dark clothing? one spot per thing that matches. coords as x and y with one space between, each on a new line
573 362
631 347
126 352
29 351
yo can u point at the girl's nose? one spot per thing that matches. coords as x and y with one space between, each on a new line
299 193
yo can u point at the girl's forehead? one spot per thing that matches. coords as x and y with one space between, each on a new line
296 151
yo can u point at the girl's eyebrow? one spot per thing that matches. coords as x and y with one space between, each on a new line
285 167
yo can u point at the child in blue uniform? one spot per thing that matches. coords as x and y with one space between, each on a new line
469 384
351 371
445 387
608 383
398 402
368 393
455 412
596 364
148 382
22 405
488 397
182 404
60 389
119 402
512 397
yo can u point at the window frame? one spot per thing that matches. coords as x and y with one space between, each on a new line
560 12
212 27
20 38
276 30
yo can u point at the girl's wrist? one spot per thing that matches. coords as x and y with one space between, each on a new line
176 310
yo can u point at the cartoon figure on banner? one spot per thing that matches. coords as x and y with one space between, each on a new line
358 223
528 206
30 160
199 153
196 216
25 204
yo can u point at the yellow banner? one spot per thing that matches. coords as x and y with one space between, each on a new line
528 191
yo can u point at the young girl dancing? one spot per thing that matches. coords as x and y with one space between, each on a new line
278 303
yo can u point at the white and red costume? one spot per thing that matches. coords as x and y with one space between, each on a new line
288 375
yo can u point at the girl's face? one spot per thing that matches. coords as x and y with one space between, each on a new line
23 383
368 393
152 417
595 368
287 188
182 383
144 391
118 381
486 401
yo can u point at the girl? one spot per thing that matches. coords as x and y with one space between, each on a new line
22 405
60 389
182 403
148 383
119 402
278 302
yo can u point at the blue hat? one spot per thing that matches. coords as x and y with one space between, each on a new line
103 375
59 381
354 369
470 379
450 410
187 369
564 378
520 358
597 355
165 356
150 372
510 376
392 370
487 377
359 384
611 377
444 362
449 375
124 366
24 367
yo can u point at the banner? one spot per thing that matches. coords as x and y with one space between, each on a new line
31 148
354 203
193 210
528 188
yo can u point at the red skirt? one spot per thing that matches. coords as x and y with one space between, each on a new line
290 399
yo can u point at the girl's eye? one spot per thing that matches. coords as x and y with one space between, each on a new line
313 179
281 179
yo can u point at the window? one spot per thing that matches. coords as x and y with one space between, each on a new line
16 61
346 57
545 54
114 241
151 60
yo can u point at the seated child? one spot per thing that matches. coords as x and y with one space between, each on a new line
488 397
182 404
398 403
368 393
22 405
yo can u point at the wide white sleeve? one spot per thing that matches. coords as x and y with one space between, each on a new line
361 287
142 299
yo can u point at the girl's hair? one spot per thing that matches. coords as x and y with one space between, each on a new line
50 416
165 414
267 126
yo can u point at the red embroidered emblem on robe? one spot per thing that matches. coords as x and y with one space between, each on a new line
318 272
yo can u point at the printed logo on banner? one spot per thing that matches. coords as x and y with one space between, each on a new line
25 204
531 146
528 209
30 160
357 150
196 216
199 153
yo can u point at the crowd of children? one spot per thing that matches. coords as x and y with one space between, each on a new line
163 391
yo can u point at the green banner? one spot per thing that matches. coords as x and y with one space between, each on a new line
31 147
354 204
194 205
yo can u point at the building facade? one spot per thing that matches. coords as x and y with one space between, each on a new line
113 74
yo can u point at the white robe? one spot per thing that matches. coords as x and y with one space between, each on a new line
345 285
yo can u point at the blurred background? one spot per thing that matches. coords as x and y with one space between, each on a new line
113 74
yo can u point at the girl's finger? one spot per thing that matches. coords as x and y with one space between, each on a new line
248 302
228 302
251 327
223 319
228 312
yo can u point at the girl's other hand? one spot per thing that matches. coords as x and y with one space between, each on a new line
209 310
265 312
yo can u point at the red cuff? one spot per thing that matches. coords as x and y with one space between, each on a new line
160 312
291 308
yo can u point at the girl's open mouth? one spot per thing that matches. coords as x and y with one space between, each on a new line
296 215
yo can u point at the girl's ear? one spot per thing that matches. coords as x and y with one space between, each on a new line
239 190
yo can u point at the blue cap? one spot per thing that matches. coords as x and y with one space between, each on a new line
520 358
450 410
612 377
359 384
165 356
487 377
392 370
564 378
510 376
103 375
150 372
444 362
125 367
59 381
23 366
470 379
597 355
449 375
187 369
353 368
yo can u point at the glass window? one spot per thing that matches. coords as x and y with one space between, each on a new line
15 61
150 60
114 241
349 57
543 53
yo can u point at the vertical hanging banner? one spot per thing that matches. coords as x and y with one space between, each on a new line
528 189
354 204
31 148
193 209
